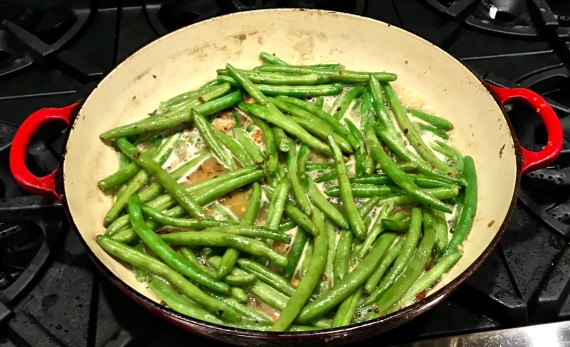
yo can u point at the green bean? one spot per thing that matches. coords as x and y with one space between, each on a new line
396 225
305 263
140 179
429 277
427 127
365 108
152 190
361 155
269 295
414 268
295 253
185 98
308 283
253 205
297 90
366 207
320 129
376 230
347 309
346 100
441 232
398 176
421 165
284 143
277 204
334 123
271 58
342 75
312 124
452 153
465 220
266 275
410 131
342 255
327 177
420 180
252 231
154 266
283 79
180 303
193 223
248 145
355 221
364 190
297 187
233 146
327 277
384 265
341 290
302 157
170 121
287 125
380 109
272 156
319 166
244 310
222 239
228 262
298 216
166 253
191 256
187 202
217 148
403 259
204 196
223 212
436 121
298 69
325 206
287 225
240 295
126 172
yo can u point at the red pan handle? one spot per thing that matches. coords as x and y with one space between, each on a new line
45 185
535 160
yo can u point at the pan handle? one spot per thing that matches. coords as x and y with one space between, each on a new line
534 160
45 185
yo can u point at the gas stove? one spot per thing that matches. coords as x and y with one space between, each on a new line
52 54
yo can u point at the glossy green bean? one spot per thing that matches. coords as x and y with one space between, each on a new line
297 187
180 303
267 275
361 154
354 220
364 190
342 255
325 206
284 143
436 121
308 283
376 229
334 123
441 232
178 192
346 310
298 216
342 75
154 266
170 121
295 253
222 239
291 127
193 223
467 215
271 58
277 203
126 172
248 145
343 289
384 265
430 128
346 100
236 149
406 253
217 148
166 253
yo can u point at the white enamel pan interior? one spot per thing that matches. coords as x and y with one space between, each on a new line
187 58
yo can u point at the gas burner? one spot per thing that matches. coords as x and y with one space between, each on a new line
175 14
37 32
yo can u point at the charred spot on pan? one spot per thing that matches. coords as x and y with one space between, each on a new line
501 151
490 224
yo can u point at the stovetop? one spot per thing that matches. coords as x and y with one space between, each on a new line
53 53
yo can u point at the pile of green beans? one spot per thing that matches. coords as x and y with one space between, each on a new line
356 203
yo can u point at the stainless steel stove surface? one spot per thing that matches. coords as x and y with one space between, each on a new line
53 53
